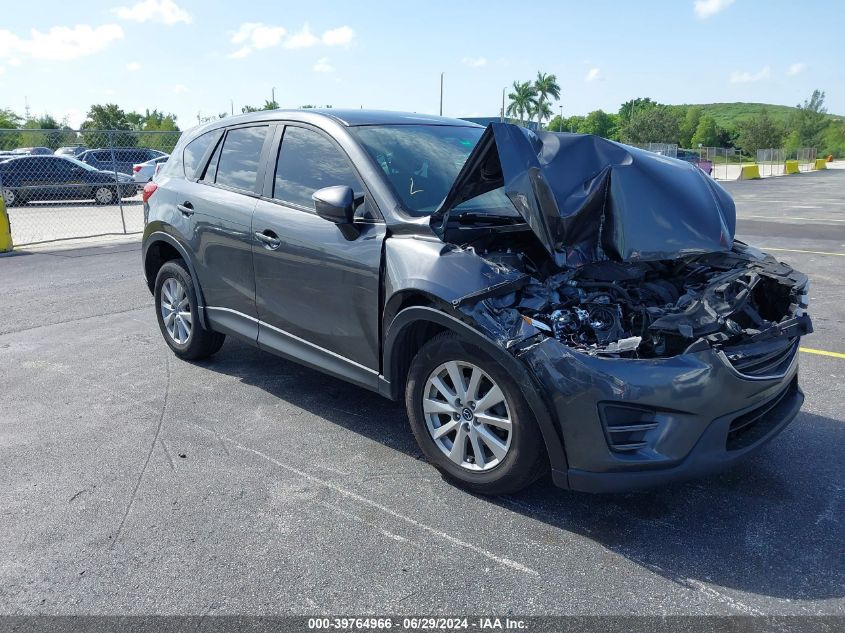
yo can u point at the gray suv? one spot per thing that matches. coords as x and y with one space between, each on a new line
539 301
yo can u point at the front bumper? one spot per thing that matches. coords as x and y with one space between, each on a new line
702 414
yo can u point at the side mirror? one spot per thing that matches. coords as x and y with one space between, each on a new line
337 204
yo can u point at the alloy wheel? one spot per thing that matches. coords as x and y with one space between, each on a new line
176 310
467 415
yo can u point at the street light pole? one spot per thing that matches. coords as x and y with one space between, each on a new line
441 93
560 127
503 104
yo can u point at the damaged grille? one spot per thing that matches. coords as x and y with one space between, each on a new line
768 359
751 427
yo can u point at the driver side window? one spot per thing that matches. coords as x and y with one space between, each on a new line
308 161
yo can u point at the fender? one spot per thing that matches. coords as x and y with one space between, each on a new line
520 373
161 236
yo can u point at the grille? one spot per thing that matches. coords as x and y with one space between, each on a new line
763 359
751 427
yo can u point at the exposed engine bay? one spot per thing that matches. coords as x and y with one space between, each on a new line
651 309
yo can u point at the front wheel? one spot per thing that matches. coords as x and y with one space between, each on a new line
178 316
471 420
10 197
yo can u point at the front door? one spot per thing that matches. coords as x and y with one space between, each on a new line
317 292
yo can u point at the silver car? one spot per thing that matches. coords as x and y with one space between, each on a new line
144 172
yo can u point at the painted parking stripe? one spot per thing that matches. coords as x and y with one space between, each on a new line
788 217
821 352
795 250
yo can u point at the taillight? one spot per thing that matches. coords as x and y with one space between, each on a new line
149 189
136 168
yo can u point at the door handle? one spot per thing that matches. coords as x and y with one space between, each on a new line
186 208
269 239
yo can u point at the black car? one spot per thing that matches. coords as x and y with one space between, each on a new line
537 300
119 159
55 178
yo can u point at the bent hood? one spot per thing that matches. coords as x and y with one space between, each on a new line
587 198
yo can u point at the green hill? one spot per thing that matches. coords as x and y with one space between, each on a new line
727 115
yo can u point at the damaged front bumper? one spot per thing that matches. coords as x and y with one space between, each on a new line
628 423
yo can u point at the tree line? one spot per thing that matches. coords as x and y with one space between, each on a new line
643 120
125 129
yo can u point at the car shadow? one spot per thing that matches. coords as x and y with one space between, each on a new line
770 526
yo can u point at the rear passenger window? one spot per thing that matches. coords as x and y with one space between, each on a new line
195 150
308 161
238 165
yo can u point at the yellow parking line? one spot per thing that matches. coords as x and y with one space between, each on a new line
795 250
821 352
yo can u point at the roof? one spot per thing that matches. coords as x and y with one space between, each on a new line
350 118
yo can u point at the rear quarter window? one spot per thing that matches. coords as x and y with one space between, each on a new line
196 150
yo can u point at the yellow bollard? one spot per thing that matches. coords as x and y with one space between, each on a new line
791 167
5 228
749 172
821 163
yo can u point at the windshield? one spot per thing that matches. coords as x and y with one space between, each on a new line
420 162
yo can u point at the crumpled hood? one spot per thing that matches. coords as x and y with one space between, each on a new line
587 198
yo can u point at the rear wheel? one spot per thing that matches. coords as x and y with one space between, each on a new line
178 317
470 418
104 195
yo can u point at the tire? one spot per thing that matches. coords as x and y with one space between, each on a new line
189 341
10 197
104 195
498 472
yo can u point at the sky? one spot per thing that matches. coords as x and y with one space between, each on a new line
204 57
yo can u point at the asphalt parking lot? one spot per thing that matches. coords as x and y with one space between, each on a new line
134 483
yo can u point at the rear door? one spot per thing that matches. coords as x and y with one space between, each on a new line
220 205
317 292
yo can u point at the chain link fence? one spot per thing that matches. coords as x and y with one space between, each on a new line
771 161
726 161
664 149
63 184
806 158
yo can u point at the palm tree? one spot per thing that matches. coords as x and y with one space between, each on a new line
545 86
523 99
541 110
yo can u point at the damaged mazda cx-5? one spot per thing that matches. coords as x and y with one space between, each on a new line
539 301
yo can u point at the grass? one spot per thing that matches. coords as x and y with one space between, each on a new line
727 115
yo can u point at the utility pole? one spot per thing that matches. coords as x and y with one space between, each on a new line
441 93
273 95
560 127
503 104
232 104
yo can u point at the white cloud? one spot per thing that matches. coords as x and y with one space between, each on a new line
255 35
59 43
180 89
474 62
323 66
162 11
744 77
341 36
133 66
705 8
796 69
251 36
593 74
304 39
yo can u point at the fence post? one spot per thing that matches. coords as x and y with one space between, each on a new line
116 181
6 244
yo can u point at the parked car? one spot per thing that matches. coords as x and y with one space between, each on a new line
120 159
32 151
694 158
144 172
71 150
535 299
29 178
